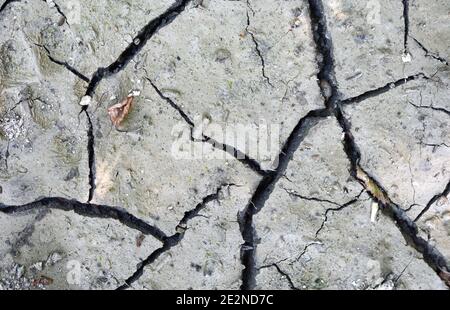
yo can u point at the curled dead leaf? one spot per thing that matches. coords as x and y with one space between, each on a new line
119 111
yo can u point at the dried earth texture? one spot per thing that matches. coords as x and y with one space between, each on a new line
352 194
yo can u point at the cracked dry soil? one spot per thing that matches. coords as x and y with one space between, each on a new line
359 89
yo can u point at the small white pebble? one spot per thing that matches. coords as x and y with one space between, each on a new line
134 93
86 100
406 57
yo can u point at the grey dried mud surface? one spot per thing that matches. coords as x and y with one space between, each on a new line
360 92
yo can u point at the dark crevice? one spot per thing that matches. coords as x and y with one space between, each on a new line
325 219
304 251
412 206
175 239
60 12
172 104
283 274
326 76
399 216
88 210
438 109
167 245
408 228
392 277
287 276
410 232
64 64
138 43
237 154
292 143
350 147
315 199
430 54
58 8
263 191
433 200
383 89
249 5
257 48
91 156
337 209
6 3
436 145
406 21
397 279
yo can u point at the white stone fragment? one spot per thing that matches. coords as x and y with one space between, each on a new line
134 93
53 259
86 100
374 212
39 266
406 57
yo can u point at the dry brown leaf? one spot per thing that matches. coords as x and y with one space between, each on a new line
120 110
